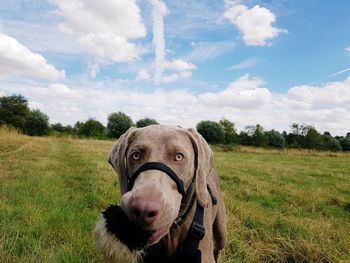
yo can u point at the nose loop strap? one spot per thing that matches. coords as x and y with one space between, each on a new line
160 167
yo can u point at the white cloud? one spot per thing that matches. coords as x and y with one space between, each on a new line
18 60
247 63
93 70
179 65
348 50
203 51
246 101
158 13
176 76
335 93
244 93
255 24
104 30
182 68
108 46
143 75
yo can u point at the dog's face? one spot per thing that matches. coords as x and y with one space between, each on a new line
154 201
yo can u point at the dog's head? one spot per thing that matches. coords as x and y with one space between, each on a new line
154 201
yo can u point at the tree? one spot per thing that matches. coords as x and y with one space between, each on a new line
118 123
259 138
211 131
275 139
244 138
314 139
230 131
345 143
37 123
332 144
77 126
91 128
145 122
58 127
14 111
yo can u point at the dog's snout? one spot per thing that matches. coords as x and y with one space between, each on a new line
144 211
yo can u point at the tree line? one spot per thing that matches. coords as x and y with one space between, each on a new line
14 112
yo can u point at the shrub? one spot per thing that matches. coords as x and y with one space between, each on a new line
58 127
145 122
345 143
231 136
211 131
14 111
37 123
91 128
275 139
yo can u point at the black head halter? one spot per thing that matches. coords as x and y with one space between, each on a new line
161 167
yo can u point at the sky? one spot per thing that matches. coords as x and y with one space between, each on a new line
272 63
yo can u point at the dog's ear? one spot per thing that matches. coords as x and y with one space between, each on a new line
204 161
117 158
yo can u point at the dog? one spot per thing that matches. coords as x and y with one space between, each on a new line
166 177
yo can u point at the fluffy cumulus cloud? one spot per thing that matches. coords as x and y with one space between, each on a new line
335 93
255 23
348 50
104 30
18 60
143 75
244 93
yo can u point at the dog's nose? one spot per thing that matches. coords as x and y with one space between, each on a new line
144 212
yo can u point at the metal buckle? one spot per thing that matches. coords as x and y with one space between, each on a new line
197 231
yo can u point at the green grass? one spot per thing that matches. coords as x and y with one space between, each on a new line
290 206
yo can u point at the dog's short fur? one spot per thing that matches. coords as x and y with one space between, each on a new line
188 155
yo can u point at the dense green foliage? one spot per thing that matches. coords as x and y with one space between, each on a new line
145 122
37 123
231 136
290 206
91 128
118 123
60 128
211 131
14 111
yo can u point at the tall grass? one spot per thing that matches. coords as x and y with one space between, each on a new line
283 206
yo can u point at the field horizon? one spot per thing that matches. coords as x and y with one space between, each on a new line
282 205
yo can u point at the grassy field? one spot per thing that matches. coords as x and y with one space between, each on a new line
290 206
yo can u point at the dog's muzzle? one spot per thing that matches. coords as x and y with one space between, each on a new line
160 167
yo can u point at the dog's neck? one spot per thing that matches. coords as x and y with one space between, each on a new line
168 245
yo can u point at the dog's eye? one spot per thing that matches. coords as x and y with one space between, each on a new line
136 156
179 157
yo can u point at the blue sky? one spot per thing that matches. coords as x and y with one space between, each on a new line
250 61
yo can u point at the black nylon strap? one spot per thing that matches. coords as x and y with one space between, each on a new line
189 252
161 167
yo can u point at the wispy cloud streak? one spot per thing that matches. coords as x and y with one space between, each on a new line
158 13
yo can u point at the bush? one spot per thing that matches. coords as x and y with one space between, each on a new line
58 127
259 138
37 123
145 122
211 131
118 123
14 111
231 136
91 128
275 139
345 143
